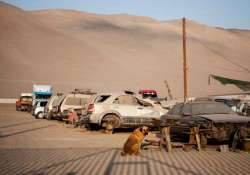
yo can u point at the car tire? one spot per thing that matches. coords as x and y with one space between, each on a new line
40 115
110 121
49 116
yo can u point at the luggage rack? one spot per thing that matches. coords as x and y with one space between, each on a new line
83 91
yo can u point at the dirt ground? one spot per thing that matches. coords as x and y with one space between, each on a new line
34 146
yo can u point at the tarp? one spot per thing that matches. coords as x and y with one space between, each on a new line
243 85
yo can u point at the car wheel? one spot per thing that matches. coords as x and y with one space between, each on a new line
40 115
110 122
49 116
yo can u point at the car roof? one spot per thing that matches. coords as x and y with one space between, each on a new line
202 102
118 93
113 95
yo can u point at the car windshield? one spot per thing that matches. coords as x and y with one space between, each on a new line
43 103
58 101
152 95
229 103
40 96
210 108
26 98
76 101
176 110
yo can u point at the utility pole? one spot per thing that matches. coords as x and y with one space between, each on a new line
184 58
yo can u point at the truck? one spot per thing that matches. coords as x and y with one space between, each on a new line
41 92
24 103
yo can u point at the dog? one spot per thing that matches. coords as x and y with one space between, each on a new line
133 143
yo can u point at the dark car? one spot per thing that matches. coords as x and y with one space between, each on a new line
216 120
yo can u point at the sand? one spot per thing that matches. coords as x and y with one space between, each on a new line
71 49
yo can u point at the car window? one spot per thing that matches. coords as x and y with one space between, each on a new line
73 101
230 103
42 104
144 103
101 98
210 108
58 101
148 94
176 110
26 99
126 100
187 109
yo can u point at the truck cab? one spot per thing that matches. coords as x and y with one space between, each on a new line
24 103
41 92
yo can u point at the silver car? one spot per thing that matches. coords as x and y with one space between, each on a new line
120 110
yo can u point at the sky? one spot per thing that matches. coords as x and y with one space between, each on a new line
220 13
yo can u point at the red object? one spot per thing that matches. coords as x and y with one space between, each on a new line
18 103
147 91
91 108
23 105
72 116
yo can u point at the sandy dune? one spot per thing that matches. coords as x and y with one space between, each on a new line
71 49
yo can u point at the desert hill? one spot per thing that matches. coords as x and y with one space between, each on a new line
70 49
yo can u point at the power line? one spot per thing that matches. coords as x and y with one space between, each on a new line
223 57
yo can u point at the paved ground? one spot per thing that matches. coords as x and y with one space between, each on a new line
31 146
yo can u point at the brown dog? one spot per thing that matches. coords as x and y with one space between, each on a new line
132 145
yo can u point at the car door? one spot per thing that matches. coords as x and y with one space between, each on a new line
146 110
125 106
175 115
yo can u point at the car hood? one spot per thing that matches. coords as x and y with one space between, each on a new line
228 118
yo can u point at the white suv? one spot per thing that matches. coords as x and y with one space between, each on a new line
120 110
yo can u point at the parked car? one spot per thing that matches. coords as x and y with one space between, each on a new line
148 93
76 101
243 108
120 110
38 108
24 103
49 106
217 120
